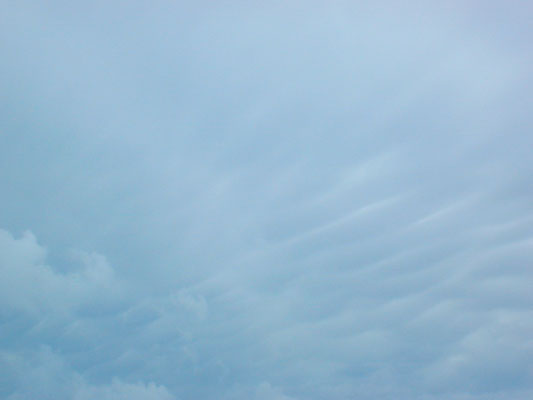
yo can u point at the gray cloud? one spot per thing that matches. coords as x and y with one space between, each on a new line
286 201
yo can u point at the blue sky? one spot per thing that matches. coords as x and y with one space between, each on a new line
266 200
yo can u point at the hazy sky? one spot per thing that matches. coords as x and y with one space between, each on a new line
266 200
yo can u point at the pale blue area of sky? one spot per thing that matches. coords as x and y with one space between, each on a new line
266 200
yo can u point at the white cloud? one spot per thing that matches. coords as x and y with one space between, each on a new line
265 391
118 390
31 286
45 374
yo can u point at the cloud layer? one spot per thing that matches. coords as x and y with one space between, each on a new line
270 202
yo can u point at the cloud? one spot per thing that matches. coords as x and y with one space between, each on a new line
265 391
277 201
31 286
45 374
119 390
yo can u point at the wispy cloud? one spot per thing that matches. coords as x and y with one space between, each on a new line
272 202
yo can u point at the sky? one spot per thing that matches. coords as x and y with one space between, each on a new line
266 200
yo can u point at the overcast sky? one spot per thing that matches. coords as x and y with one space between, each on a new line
266 200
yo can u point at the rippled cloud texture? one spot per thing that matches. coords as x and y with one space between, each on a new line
266 200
